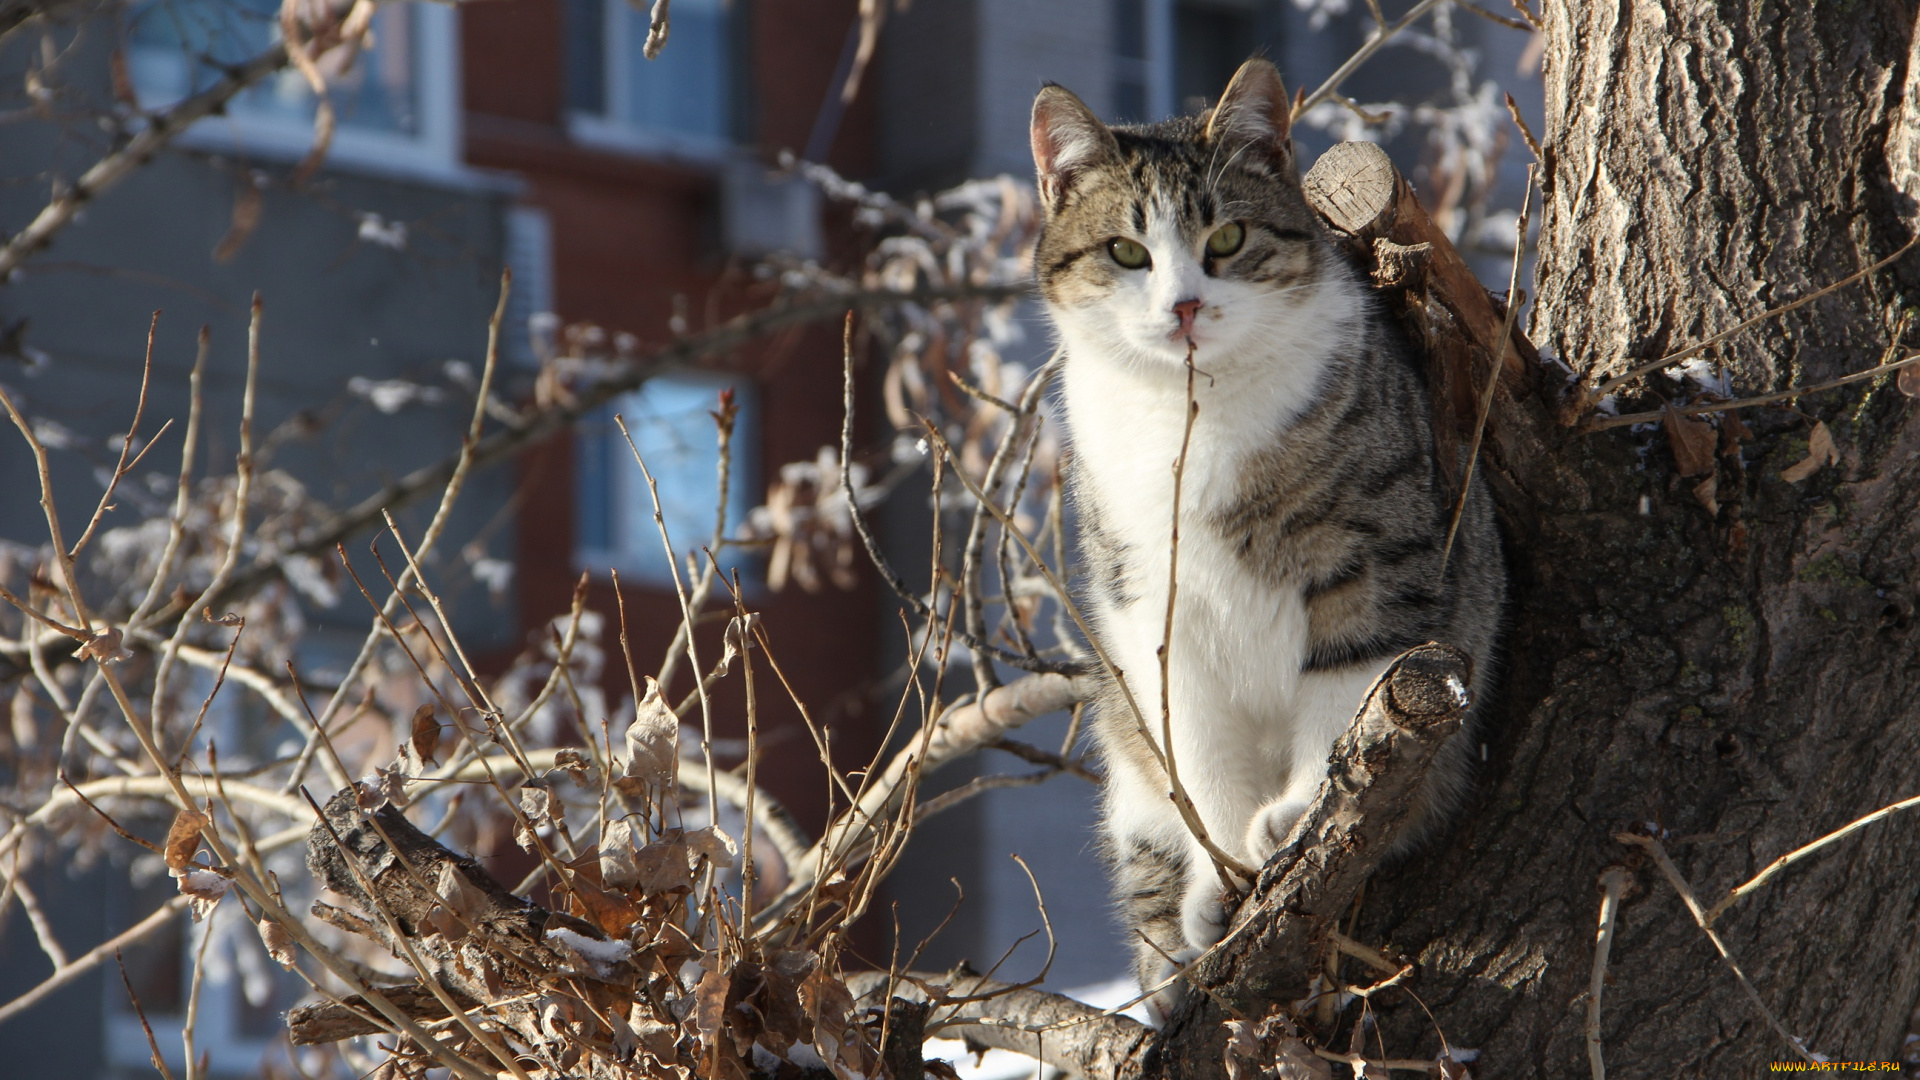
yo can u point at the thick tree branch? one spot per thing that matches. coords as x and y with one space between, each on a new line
1060 1031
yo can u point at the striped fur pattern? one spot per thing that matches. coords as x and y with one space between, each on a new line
1313 517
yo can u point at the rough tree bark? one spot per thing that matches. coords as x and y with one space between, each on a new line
1744 679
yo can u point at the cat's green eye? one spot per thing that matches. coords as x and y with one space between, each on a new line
1127 253
1227 239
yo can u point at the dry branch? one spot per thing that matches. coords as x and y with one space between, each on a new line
956 733
1375 774
1060 1031
1274 951
116 166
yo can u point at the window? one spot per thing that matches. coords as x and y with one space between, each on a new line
396 104
671 426
680 103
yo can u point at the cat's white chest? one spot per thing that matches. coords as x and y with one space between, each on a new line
1238 641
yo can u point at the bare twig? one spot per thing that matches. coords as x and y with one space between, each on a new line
1602 423
1594 394
1189 814
1658 852
183 496
120 163
957 732
1526 133
1380 36
1505 346
686 618
1614 883
121 467
450 489
531 429
1776 866
921 608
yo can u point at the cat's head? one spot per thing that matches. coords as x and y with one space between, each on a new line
1194 228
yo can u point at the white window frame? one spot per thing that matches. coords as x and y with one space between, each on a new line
614 128
433 153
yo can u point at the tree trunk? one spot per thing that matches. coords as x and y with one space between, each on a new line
1725 660
1744 680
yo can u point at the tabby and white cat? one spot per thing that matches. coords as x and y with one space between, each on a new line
1313 518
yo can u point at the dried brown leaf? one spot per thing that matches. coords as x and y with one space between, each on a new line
247 204
827 1004
392 785
653 740
617 868
661 1041
1243 1051
710 843
710 1009
1295 1060
574 764
661 868
836 890
460 895
425 738
1692 441
183 839
1705 491
1732 433
777 1000
738 638
611 911
1820 451
279 943
204 888
536 805
105 647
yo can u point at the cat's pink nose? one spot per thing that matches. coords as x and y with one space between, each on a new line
1187 310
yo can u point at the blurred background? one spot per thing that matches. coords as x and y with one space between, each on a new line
635 201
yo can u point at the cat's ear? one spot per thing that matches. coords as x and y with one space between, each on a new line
1255 109
1068 140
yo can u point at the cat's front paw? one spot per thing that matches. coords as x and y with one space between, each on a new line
1271 824
1203 915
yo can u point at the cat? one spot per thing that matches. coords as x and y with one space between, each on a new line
1313 515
